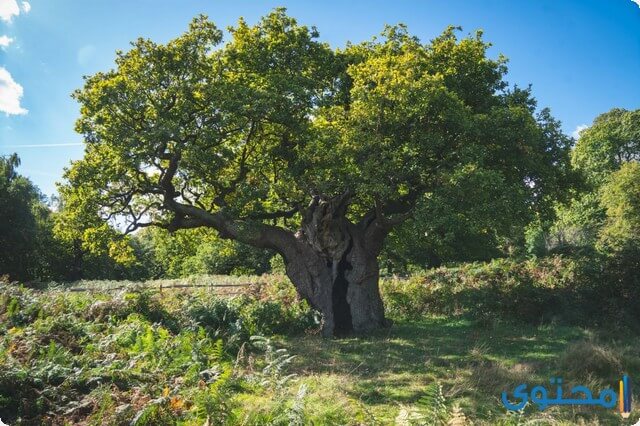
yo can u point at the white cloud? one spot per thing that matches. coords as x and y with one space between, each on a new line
10 94
638 3
5 41
579 128
10 91
8 9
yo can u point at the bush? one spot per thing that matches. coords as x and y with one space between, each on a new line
273 317
220 318
533 291
18 306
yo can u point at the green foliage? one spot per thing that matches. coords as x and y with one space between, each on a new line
620 197
221 318
273 317
185 148
90 358
277 64
586 289
274 363
201 251
432 409
17 306
531 291
296 415
578 223
612 140
438 117
154 413
169 364
27 249
600 214
432 406
458 220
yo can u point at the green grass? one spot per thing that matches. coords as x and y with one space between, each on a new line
183 357
373 379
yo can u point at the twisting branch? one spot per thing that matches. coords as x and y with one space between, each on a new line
378 222
280 214
243 170
247 231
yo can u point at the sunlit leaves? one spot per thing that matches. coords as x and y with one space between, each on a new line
620 197
614 138
255 125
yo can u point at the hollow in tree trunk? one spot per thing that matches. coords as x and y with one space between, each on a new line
334 267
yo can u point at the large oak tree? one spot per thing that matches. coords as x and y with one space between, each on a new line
278 141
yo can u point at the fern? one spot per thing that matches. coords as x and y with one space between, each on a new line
218 351
514 418
432 410
432 406
275 361
296 413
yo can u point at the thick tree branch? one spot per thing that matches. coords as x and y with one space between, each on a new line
249 232
280 214
380 220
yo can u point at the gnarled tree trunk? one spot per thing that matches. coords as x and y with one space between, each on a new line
334 267
331 261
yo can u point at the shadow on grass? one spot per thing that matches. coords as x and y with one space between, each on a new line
392 368
474 363
422 346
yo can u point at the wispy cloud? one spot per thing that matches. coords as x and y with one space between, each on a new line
43 145
10 94
26 6
579 128
5 41
8 9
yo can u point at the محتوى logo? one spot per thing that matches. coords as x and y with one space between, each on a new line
579 395
624 399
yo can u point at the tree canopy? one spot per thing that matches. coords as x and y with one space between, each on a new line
612 140
198 130
19 227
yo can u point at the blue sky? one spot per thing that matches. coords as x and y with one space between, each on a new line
581 56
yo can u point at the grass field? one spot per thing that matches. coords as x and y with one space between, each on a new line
381 379
186 357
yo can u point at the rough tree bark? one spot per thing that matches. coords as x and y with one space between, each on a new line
331 261
334 267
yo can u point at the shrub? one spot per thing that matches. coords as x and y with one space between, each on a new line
18 305
273 317
532 291
220 318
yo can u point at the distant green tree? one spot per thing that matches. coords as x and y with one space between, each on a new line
95 248
604 148
201 251
612 140
620 197
25 253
